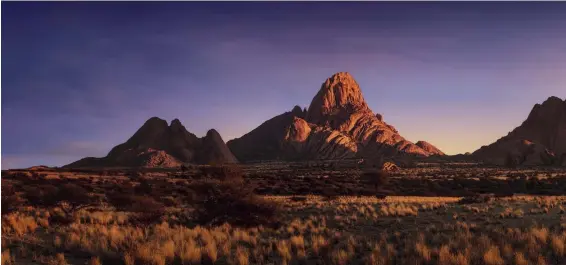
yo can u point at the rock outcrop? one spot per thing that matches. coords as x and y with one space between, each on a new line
304 141
213 150
539 140
338 124
431 149
157 144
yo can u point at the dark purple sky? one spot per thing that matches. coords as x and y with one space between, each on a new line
81 77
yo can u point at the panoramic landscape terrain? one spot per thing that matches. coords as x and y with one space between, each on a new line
273 133
345 188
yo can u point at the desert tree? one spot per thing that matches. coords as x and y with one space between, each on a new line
144 187
145 209
70 198
74 197
376 178
226 197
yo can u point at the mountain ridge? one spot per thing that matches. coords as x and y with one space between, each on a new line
540 139
340 125
159 144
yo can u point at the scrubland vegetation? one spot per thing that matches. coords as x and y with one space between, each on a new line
215 216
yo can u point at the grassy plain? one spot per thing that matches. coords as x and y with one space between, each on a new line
313 229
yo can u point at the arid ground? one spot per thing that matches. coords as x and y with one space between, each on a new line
309 213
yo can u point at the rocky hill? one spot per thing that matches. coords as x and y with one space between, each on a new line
431 149
157 144
338 124
540 139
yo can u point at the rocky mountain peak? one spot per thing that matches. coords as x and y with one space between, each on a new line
554 100
213 134
297 111
340 92
175 123
177 127
213 150
157 144
338 124
544 131
550 107
149 133
153 124
548 114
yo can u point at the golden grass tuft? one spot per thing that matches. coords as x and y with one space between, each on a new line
520 259
558 245
242 256
18 224
340 257
541 234
493 257
94 261
7 259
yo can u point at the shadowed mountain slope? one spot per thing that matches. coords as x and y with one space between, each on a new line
540 139
157 144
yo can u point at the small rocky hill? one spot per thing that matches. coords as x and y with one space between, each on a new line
157 144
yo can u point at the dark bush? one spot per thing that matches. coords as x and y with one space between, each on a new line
14 175
133 175
42 195
11 201
298 198
69 197
134 203
219 202
123 187
478 198
224 173
59 219
170 201
146 209
144 187
74 197
329 193
375 178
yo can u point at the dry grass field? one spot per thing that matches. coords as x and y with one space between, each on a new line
162 218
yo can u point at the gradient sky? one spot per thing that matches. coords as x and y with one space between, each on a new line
81 77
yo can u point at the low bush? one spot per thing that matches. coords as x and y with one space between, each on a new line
229 173
145 209
219 202
69 198
144 188
11 201
376 178
41 195
478 198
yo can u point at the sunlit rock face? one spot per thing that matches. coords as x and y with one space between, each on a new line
157 144
338 98
337 124
308 141
431 149
540 139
